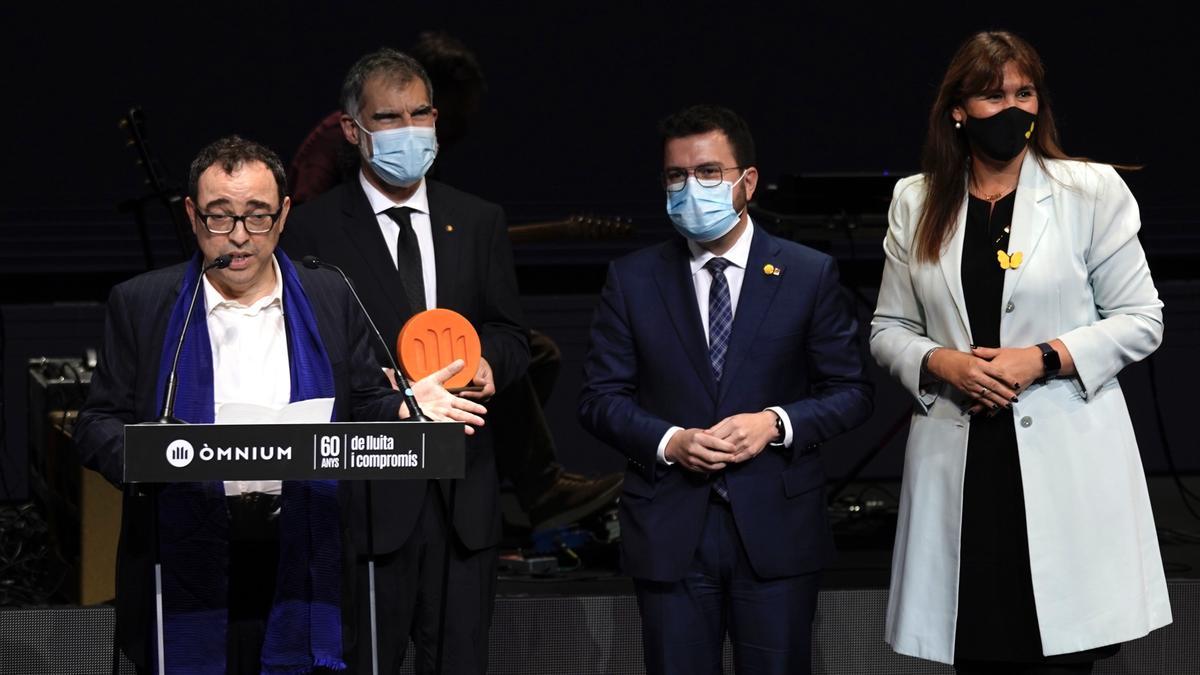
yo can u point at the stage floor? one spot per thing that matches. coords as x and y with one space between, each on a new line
543 634
586 621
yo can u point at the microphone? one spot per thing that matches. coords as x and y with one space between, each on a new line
168 409
312 262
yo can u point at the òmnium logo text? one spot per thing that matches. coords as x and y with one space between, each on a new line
180 453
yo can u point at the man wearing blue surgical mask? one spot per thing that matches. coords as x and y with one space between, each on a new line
703 205
719 363
411 244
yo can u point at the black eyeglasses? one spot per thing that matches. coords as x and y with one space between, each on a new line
223 223
707 175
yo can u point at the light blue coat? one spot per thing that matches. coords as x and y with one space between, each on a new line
1097 573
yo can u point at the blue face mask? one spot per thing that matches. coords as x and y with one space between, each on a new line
703 214
401 156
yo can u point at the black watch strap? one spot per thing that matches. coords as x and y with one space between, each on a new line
1051 363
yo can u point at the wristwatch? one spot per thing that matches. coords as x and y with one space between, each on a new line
1051 364
780 431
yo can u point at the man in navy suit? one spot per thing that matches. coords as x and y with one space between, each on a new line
719 363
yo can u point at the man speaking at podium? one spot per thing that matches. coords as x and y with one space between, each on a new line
719 362
265 333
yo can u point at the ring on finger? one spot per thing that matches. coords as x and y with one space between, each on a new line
983 391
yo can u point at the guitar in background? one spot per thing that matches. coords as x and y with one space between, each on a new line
162 188
575 226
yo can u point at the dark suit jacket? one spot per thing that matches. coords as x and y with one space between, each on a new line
794 344
475 277
123 391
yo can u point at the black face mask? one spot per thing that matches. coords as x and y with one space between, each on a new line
1003 135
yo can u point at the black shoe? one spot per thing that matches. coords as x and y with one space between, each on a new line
573 497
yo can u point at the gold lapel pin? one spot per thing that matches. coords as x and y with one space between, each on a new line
772 270
449 228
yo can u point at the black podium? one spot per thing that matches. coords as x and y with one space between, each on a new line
368 451
173 453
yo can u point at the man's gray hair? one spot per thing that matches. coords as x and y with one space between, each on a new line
388 62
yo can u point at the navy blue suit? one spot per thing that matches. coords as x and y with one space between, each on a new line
794 344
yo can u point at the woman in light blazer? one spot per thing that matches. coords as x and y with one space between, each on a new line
1014 291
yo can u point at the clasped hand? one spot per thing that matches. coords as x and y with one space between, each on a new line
484 381
990 377
733 440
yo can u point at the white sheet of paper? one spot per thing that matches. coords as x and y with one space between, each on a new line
312 411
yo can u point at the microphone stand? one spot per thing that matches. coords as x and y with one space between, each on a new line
168 408
168 417
415 415
445 576
410 401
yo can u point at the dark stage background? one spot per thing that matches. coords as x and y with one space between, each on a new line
567 126
574 89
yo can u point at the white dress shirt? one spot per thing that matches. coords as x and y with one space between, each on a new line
250 358
419 203
738 256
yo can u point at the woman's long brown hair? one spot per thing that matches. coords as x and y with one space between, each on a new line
977 66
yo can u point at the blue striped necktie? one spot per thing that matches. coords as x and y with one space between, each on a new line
720 316
720 325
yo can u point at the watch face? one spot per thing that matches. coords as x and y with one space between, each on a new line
1050 361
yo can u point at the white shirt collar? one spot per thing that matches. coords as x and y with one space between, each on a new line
738 254
380 202
213 299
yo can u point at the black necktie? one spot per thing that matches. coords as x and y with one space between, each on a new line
408 258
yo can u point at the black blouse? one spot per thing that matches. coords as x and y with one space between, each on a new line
997 618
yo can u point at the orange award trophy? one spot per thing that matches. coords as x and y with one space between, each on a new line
432 339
